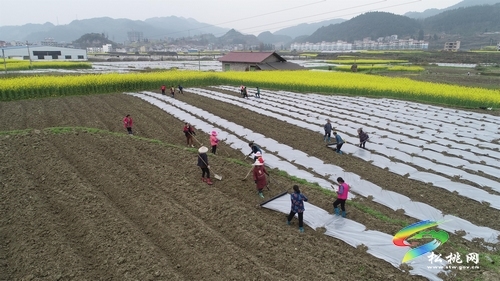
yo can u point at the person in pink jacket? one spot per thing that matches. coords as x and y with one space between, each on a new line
214 141
342 194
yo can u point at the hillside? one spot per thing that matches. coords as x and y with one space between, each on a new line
19 32
306 28
115 29
465 21
474 26
235 37
463 4
92 40
372 24
270 38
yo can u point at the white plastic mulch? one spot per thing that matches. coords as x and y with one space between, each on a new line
379 244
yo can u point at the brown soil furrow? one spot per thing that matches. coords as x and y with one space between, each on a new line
198 239
36 240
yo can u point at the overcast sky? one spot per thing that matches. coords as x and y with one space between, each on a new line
251 16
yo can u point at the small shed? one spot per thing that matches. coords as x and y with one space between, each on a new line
252 61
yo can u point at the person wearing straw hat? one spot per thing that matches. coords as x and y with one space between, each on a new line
203 164
189 133
259 176
298 200
214 141
258 155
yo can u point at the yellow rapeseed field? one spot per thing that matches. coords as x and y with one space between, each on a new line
332 83
14 65
381 67
365 61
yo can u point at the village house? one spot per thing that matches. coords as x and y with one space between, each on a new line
252 61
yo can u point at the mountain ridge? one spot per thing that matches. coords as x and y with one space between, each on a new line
458 22
465 3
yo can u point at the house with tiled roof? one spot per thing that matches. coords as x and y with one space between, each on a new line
253 61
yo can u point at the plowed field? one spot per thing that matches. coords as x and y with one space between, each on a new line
86 204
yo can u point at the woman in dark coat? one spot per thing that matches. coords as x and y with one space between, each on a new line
363 137
259 175
203 164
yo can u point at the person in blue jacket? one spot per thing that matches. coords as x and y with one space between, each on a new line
298 200
255 148
257 94
340 142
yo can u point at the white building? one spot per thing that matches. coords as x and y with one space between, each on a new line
409 44
382 43
94 50
107 48
17 43
41 53
323 46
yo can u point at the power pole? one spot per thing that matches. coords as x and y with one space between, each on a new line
4 63
29 55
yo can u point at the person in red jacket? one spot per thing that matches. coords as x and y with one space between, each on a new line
163 88
259 176
127 123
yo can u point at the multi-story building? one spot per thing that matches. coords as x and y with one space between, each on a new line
382 43
135 36
107 48
452 46
48 42
323 46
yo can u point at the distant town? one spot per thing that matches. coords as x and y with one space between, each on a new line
50 49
